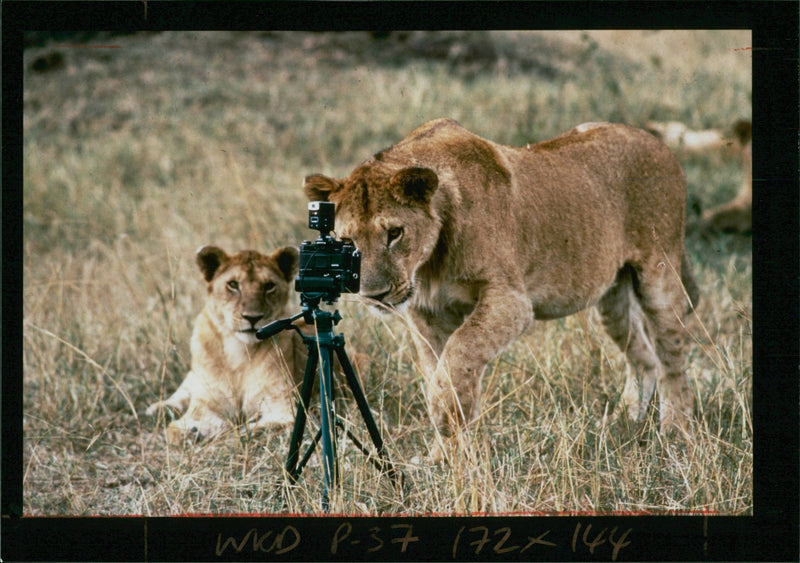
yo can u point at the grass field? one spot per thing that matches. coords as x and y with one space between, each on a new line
137 155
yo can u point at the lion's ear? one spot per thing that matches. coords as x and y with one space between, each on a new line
319 187
286 258
743 130
209 259
414 185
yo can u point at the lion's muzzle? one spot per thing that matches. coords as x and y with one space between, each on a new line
391 297
379 295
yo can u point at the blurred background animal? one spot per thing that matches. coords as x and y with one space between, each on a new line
734 216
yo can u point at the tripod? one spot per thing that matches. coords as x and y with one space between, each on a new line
321 347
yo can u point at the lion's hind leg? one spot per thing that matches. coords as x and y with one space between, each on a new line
626 323
663 301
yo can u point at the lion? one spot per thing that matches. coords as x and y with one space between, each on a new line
236 379
736 216
473 241
679 137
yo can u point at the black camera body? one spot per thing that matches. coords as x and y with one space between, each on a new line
328 267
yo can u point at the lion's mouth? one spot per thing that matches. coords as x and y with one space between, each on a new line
404 297
247 336
391 298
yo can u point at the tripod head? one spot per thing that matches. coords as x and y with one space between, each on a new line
312 315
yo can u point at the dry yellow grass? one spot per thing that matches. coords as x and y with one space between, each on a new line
135 157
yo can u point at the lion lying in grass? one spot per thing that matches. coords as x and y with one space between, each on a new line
236 379
475 240
735 216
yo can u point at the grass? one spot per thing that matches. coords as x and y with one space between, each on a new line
136 156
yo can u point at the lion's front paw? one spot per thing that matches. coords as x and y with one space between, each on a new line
177 435
193 430
268 422
163 406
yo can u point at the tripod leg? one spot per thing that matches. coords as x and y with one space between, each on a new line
309 451
302 409
363 406
328 426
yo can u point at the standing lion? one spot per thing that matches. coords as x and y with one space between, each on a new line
475 240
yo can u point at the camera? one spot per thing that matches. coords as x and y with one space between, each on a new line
328 267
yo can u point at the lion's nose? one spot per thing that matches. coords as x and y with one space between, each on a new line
253 319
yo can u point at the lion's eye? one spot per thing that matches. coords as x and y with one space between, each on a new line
269 287
233 285
393 234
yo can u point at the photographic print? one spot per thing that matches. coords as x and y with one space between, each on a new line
478 292
141 148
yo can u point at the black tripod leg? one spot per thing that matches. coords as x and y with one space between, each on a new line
309 451
366 414
328 426
302 409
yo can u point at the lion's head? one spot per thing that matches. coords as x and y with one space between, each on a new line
246 290
388 215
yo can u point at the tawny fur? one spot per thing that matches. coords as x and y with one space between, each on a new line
474 240
237 380
679 137
736 216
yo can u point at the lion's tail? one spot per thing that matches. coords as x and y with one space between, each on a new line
689 283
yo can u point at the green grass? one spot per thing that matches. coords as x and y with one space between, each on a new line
134 157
